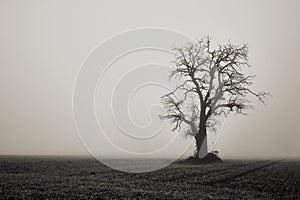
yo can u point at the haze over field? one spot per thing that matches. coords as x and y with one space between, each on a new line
43 44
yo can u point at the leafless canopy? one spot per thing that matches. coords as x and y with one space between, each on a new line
211 82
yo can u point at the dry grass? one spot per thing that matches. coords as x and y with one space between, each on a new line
77 178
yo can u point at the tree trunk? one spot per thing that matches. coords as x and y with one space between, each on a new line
201 143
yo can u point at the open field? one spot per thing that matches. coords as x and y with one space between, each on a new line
83 178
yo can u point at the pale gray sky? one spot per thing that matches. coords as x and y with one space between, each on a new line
44 42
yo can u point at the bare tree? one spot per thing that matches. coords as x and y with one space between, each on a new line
210 83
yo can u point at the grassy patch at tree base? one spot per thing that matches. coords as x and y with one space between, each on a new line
209 158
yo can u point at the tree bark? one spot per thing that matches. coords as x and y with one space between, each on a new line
201 143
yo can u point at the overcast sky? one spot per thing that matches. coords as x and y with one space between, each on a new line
43 44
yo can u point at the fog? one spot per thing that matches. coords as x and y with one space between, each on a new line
43 44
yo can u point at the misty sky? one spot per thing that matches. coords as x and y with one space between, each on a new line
43 44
